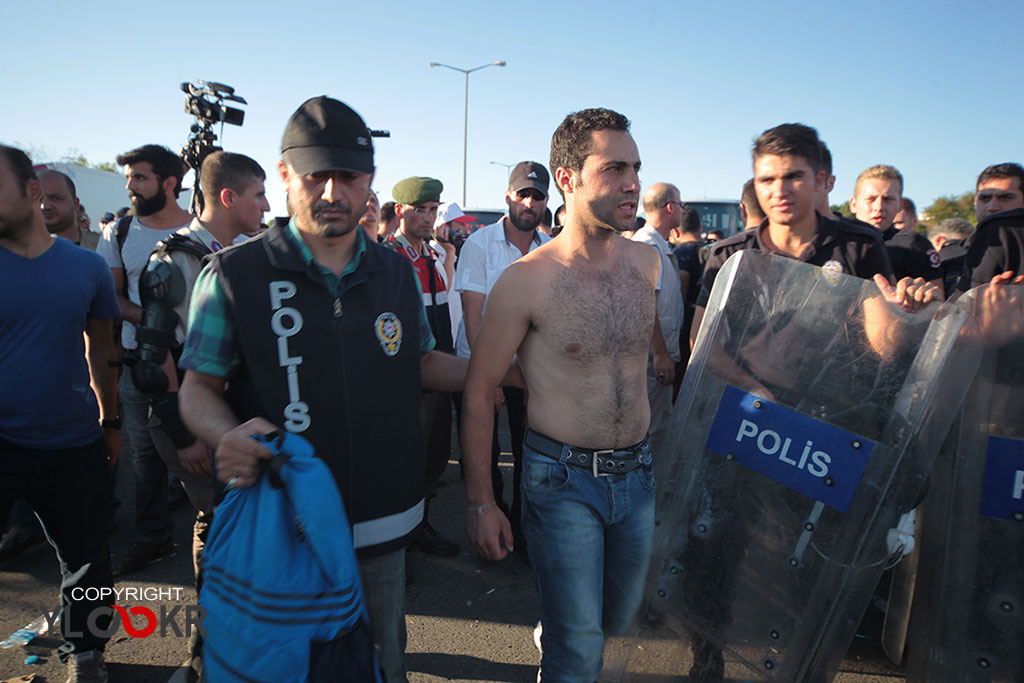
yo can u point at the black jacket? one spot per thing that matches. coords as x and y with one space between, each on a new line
996 246
343 372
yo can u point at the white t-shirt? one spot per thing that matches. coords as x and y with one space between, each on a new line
669 302
485 255
138 245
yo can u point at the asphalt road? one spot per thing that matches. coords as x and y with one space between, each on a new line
468 620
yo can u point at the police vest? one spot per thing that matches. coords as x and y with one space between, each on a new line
343 372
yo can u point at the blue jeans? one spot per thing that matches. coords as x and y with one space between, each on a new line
383 580
590 541
152 515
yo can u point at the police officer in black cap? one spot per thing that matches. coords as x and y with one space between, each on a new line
312 327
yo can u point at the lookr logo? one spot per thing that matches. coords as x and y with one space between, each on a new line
103 622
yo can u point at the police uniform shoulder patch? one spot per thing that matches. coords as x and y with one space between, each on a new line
933 258
831 270
388 329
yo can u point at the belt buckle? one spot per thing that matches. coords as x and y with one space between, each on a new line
594 457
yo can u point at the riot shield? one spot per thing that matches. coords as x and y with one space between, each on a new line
805 428
967 622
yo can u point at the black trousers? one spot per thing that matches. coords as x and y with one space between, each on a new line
69 490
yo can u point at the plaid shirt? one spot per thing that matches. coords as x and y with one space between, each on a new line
212 347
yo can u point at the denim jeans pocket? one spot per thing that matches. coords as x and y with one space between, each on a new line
545 477
646 475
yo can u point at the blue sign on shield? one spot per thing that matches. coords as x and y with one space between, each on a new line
1002 494
809 456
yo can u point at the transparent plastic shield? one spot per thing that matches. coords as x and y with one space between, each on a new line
967 622
806 425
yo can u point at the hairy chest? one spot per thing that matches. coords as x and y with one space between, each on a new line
596 315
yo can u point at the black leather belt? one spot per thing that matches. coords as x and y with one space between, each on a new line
609 461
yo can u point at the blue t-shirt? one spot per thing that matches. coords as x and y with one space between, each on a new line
46 401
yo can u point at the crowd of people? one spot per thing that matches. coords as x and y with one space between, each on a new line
230 328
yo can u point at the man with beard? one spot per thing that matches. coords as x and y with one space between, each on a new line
60 215
60 209
154 176
416 203
485 255
311 327
579 313
58 414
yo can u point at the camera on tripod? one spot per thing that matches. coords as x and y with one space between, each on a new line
206 101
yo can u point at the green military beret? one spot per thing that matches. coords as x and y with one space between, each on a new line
417 190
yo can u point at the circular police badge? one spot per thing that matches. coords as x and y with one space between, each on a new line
933 258
831 271
389 332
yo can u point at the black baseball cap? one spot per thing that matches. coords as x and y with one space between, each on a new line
327 135
529 174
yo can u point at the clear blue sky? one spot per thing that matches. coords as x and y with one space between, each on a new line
930 87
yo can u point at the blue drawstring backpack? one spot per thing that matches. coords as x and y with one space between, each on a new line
281 585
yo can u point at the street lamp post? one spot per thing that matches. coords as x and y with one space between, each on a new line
465 114
508 168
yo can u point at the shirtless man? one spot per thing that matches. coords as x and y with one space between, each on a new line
579 313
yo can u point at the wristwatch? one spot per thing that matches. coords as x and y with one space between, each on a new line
111 424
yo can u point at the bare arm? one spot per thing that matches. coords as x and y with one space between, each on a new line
472 314
503 328
100 352
664 367
211 419
443 371
698 318
130 312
